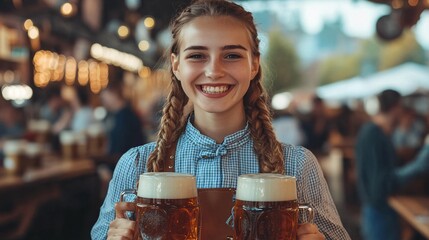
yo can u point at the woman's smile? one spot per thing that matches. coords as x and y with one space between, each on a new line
211 90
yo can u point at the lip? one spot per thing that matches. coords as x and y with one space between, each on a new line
215 95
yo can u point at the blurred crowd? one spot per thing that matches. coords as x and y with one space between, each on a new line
64 114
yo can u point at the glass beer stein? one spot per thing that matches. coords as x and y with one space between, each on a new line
266 207
166 206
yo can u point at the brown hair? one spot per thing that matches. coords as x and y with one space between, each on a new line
267 148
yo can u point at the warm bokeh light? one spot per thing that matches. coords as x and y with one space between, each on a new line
145 72
9 76
144 45
17 92
413 3
50 66
70 71
397 4
123 31
27 24
33 32
149 22
83 73
117 58
67 9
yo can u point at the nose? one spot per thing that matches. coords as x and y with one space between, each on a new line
214 69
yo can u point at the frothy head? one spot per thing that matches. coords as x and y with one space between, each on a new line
266 187
166 185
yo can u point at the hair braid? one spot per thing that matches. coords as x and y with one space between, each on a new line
172 124
267 148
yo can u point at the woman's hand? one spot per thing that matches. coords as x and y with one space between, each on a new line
121 228
309 231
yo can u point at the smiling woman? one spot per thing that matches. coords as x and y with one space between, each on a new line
215 66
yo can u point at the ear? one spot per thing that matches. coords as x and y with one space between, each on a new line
255 66
174 59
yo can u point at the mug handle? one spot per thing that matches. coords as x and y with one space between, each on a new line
308 210
128 214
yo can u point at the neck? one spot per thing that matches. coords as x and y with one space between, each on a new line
218 126
118 106
385 122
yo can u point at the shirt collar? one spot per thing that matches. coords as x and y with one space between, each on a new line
231 141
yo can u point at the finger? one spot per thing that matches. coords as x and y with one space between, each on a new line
118 238
307 228
121 227
122 207
309 231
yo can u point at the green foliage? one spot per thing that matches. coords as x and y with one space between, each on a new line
282 64
339 67
373 55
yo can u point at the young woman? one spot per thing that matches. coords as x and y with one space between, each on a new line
215 67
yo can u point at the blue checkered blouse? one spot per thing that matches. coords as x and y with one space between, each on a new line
218 166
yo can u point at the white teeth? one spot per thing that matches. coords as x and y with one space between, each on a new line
215 90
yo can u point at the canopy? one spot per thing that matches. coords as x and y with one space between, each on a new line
407 79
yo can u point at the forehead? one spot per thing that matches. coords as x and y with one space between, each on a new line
215 31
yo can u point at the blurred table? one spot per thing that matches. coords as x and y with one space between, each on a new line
54 170
415 210
58 201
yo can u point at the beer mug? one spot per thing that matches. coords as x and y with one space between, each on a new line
166 206
266 207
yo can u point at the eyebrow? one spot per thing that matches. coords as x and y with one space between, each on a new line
226 47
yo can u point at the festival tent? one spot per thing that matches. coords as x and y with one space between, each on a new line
407 79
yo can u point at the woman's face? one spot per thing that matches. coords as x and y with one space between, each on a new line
215 64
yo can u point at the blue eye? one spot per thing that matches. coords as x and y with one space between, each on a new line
232 56
196 56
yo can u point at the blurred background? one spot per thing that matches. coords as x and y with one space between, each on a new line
82 81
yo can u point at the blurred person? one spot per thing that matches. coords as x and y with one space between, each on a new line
82 111
410 131
215 67
12 121
12 124
377 172
55 109
316 127
124 128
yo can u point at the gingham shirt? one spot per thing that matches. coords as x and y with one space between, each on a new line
218 166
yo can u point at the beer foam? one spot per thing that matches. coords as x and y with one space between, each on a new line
33 149
266 187
11 147
167 185
95 130
67 137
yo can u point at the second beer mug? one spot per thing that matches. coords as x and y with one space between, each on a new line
167 206
266 207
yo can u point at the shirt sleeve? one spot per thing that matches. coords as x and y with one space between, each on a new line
414 169
124 177
313 190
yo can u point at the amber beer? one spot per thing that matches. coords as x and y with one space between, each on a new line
266 207
167 206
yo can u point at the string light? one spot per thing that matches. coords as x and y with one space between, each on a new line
67 9
33 32
413 3
123 31
397 4
149 22
144 45
28 24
